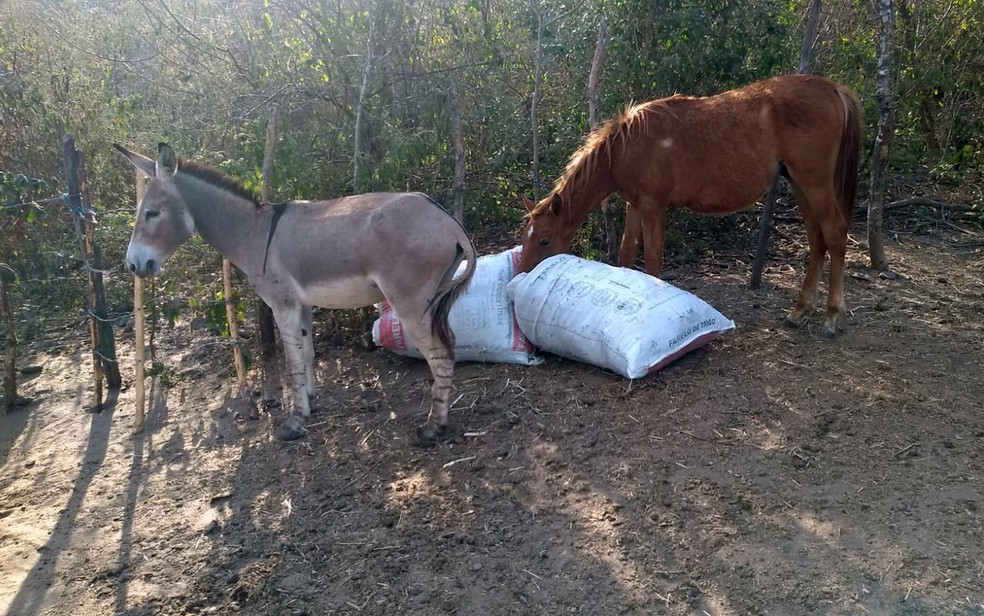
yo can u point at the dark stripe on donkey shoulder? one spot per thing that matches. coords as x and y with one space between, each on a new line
278 211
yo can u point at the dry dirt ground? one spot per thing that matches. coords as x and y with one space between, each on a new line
772 472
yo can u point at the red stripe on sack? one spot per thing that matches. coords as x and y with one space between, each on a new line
698 342
391 329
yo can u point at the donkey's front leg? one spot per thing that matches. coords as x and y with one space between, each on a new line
290 319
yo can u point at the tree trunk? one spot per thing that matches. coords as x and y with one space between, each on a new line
457 137
769 202
534 122
264 315
810 38
10 359
357 135
883 141
611 238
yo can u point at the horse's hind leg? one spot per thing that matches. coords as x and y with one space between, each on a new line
289 317
818 250
834 229
440 359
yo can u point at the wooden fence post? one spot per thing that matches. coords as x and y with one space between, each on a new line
97 290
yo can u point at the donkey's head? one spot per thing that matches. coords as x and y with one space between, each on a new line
164 221
548 231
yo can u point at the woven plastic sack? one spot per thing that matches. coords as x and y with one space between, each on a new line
613 317
482 319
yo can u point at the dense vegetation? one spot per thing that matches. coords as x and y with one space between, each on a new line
203 75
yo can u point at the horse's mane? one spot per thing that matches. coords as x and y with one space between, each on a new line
213 176
599 143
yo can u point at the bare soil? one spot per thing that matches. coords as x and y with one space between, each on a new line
772 472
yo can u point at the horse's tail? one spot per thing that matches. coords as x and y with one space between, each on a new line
449 290
849 154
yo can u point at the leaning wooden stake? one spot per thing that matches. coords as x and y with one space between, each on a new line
138 330
769 203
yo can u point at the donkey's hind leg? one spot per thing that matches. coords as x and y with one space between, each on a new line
289 317
440 359
307 340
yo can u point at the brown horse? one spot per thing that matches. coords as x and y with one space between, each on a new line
717 155
345 253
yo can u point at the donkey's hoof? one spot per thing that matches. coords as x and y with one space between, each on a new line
429 435
792 322
292 429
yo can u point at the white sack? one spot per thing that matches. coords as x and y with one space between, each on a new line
613 317
482 319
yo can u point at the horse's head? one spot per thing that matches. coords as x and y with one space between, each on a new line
163 219
547 233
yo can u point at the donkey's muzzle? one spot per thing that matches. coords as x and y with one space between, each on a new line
147 269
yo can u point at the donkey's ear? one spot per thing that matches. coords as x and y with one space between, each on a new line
140 162
556 205
529 204
167 162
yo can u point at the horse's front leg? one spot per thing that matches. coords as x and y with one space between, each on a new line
652 219
290 319
631 237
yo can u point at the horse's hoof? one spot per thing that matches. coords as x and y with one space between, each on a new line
429 435
830 329
792 322
292 429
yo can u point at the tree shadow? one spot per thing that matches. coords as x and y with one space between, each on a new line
29 600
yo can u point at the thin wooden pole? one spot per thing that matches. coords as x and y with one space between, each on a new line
138 331
230 304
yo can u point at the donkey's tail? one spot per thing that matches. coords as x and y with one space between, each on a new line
849 154
450 289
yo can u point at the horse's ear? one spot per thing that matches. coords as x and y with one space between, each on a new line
140 162
529 204
556 205
167 162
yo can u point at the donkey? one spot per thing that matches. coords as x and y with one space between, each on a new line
343 253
